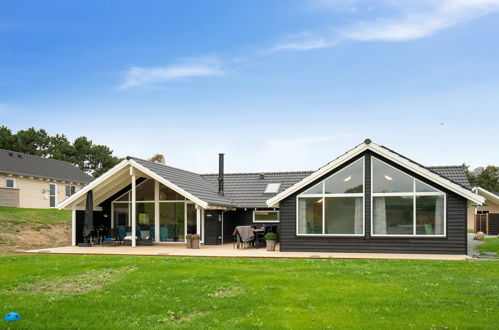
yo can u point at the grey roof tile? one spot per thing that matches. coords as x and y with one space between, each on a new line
455 173
248 189
29 165
191 182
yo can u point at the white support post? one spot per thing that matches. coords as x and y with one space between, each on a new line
156 212
134 209
198 220
73 226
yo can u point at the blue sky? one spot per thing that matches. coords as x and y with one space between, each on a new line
276 85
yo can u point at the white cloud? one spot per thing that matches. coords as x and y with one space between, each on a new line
418 22
409 20
305 44
185 68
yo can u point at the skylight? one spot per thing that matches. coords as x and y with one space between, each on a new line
272 188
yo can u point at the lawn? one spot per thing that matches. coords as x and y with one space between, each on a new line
25 216
122 292
490 244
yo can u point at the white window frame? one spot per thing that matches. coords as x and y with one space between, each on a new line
55 195
272 192
324 195
14 183
266 221
70 194
413 194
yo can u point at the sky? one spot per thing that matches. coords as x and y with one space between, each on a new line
276 85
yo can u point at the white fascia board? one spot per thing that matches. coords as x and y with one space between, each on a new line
75 199
454 187
388 155
487 194
169 184
317 174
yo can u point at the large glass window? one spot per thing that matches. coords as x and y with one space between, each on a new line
171 221
344 215
334 206
167 194
403 205
310 215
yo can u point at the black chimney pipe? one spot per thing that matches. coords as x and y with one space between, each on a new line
221 174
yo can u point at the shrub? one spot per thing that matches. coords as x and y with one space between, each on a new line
271 237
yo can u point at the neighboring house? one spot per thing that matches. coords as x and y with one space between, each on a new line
370 199
36 182
487 215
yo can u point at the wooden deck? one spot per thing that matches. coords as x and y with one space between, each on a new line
228 251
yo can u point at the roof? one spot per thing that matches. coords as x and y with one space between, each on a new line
455 173
192 183
439 175
248 189
29 165
490 196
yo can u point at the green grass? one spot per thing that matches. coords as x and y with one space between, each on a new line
123 292
27 216
490 244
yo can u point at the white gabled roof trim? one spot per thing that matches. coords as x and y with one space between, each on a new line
71 200
487 194
424 172
169 184
76 198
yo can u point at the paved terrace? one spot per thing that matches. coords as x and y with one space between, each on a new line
227 251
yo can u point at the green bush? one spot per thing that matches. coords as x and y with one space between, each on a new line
271 237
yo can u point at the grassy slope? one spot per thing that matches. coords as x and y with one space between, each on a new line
153 292
22 215
22 228
490 245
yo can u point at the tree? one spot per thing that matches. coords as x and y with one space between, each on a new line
157 158
7 139
32 142
90 158
489 178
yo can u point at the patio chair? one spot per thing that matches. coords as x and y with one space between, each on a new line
163 233
145 237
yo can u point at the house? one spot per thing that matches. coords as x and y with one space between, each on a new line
485 217
36 182
370 199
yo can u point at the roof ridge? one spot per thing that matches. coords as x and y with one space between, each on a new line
445 166
177 168
258 173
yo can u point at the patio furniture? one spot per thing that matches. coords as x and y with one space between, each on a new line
245 233
145 237
258 239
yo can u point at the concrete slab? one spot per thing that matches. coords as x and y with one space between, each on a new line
227 250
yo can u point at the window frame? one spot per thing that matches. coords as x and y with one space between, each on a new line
14 183
56 192
266 221
414 194
71 187
335 195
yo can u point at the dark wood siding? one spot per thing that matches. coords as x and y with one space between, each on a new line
241 217
454 243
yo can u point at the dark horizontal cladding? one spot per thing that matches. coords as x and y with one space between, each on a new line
453 243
